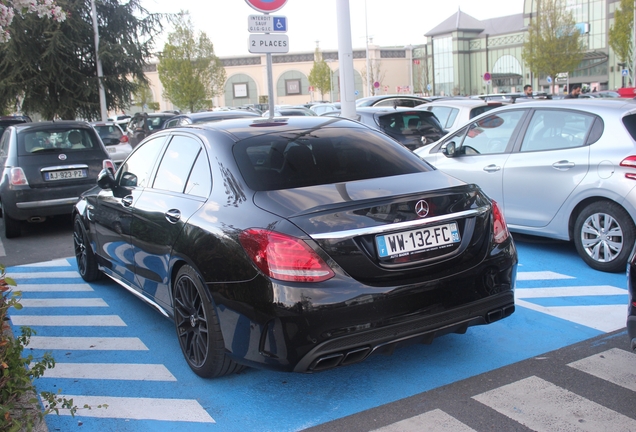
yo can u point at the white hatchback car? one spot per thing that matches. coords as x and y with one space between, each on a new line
564 169
455 113
115 140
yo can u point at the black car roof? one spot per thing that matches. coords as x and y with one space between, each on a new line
212 114
242 128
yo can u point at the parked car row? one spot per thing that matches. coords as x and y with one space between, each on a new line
308 242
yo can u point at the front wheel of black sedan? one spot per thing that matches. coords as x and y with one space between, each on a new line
198 328
86 261
604 236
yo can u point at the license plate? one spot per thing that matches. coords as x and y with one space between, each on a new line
65 175
111 149
419 240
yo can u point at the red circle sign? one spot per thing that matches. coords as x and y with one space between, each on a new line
266 6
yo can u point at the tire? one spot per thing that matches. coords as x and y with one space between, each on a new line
198 329
604 236
86 261
11 226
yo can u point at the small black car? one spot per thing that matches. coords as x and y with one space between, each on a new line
144 124
207 116
6 121
46 166
399 100
297 244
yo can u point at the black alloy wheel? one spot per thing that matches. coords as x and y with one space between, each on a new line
86 261
198 328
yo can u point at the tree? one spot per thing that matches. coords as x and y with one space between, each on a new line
621 33
50 66
143 98
554 44
188 69
43 8
320 75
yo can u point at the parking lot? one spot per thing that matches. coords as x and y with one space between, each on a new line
113 349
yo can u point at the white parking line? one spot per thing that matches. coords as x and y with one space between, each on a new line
68 320
53 263
615 365
573 291
541 275
111 371
87 343
187 410
543 406
432 421
2 251
46 275
605 318
53 287
64 302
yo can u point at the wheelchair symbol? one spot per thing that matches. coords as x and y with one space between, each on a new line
280 24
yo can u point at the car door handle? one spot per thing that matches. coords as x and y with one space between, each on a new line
492 168
563 165
127 201
173 216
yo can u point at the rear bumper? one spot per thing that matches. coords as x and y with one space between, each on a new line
352 349
26 203
308 330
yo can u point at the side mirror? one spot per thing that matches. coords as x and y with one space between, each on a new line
449 149
105 179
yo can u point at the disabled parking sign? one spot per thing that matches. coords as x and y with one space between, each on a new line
266 6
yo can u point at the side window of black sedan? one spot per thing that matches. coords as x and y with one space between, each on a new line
138 167
177 163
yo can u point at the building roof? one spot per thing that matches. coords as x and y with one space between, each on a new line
464 22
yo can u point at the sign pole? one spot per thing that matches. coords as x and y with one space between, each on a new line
268 42
270 85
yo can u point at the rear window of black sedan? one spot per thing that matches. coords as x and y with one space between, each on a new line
323 156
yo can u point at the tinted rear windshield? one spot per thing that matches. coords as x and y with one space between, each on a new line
55 140
323 156
109 134
411 122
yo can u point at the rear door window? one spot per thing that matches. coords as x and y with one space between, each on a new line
556 129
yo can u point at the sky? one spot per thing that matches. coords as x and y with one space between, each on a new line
387 23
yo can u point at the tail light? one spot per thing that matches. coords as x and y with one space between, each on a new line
284 257
108 164
500 229
629 162
17 177
123 139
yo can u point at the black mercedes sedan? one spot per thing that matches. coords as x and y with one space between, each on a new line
295 244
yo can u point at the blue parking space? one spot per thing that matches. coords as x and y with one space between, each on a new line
112 348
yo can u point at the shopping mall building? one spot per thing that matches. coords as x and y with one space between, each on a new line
461 55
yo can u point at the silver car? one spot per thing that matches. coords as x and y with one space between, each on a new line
560 169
